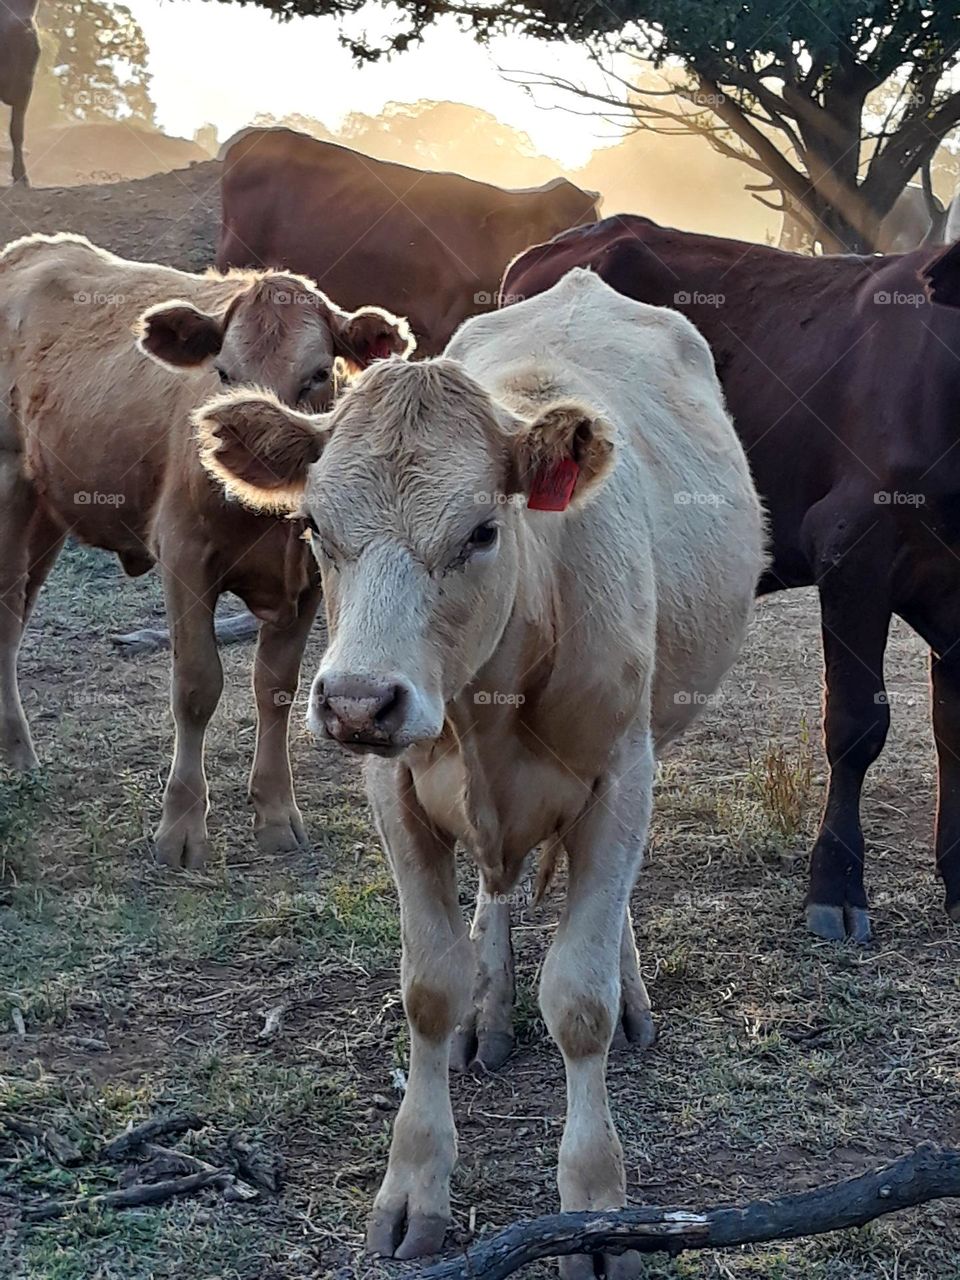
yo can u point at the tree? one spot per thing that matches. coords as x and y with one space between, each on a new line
785 87
94 63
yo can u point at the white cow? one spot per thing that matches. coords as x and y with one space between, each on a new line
508 669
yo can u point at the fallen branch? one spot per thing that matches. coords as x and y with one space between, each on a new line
928 1174
164 1160
130 1141
140 1193
57 1144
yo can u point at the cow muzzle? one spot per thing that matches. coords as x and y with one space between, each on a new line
365 714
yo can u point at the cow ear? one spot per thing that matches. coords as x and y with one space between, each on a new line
370 334
562 457
258 449
942 277
177 333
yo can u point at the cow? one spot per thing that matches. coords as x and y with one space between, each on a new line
96 441
915 219
841 377
19 55
524 606
429 246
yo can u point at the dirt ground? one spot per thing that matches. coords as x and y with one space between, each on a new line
168 217
127 992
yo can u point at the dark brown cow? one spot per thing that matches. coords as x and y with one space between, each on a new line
19 54
843 380
429 246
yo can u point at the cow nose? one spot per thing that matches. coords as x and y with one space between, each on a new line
357 708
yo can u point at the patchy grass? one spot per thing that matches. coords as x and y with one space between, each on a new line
782 1061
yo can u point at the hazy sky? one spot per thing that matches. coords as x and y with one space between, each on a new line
224 64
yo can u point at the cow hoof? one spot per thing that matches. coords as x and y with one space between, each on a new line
181 852
480 1052
286 836
615 1266
835 924
392 1234
857 921
635 1030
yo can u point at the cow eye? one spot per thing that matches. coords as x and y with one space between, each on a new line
224 377
483 536
320 377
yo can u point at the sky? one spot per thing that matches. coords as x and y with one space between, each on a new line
225 64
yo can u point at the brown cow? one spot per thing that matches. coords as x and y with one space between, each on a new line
430 246
842 379
96 440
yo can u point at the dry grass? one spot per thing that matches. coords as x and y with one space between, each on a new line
782 1060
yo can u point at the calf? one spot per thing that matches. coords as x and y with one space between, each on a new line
96 440
524 604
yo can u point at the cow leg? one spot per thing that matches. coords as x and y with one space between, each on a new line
484 1040
580 991
938 623
278 826
635 1027
856 719
29 544
945 688
412 1208
181 838
17 113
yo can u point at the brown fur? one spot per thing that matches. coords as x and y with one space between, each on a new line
428 1011
100 442
258 451
584 1029
432 245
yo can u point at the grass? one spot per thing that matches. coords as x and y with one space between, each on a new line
782 1061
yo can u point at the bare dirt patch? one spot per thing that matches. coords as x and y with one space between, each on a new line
168 217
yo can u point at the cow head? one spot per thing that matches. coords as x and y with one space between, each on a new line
278 332
415 486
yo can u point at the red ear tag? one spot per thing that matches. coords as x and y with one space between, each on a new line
553 486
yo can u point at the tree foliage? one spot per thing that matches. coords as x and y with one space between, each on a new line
94 61
790 88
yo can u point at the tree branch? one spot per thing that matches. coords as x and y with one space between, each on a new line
927 1174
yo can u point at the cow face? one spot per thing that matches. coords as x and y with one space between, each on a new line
280 332
415 486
